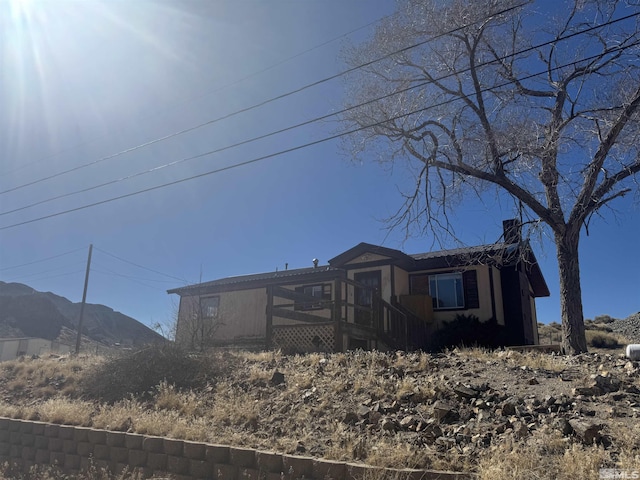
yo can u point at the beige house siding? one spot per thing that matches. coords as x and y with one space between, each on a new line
241 315
401 278
242 307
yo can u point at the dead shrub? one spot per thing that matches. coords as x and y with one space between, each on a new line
599 339
138 373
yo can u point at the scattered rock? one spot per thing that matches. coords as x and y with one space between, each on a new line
606 383
441 410
350 418
587 432
508 409
562 425
586 391
520 430
277 378
364 412
389 425
465 392
408 422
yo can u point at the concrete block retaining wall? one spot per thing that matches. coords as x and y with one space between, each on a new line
26 443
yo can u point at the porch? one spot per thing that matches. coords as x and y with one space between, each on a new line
353 315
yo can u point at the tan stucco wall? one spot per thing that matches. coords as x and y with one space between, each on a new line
241 315
401 278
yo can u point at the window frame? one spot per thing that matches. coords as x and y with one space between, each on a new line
455 277
325 295
202 307
420 284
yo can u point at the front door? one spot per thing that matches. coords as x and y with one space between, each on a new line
366 296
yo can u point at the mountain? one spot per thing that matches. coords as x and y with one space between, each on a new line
25 312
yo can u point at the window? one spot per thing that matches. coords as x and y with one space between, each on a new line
446 290
209 307
450 290
322 292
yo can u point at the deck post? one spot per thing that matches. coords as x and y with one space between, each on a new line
269 312
337 315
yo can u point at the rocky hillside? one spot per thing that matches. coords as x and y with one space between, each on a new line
628 327
502 415
25 312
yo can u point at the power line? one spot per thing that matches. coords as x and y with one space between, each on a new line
317 119
300 147
50 276
140 266
131 279
42 260
113 272
257 105
219 89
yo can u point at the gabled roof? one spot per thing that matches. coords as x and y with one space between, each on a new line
363 248
496 254
258 280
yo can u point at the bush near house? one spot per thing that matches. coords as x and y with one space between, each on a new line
469 331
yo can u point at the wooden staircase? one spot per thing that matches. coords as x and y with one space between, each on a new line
401 329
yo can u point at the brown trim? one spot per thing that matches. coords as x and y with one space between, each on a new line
269 312
303 301
374 307
393 281
375 263
470 289
303 279
363 248
299 316
337 315
493 293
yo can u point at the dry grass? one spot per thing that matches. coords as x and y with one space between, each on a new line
53 473
531 360
548 458
305 414
66 411
603 339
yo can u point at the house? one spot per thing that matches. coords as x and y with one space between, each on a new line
370 297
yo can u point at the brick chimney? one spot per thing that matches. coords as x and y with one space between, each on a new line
512 231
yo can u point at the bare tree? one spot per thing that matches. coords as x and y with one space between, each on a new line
198 322
493 95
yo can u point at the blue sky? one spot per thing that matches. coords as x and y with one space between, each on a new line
82 81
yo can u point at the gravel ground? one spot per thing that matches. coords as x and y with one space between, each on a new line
628 327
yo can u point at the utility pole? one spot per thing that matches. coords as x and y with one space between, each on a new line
84 299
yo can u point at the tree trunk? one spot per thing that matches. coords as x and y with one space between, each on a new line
573 336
